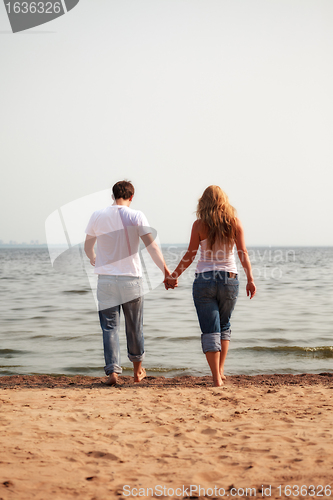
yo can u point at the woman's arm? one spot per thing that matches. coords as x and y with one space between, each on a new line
189 256
245 261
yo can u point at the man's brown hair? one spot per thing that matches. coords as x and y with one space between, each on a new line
123 189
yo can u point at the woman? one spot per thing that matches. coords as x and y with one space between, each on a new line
215 288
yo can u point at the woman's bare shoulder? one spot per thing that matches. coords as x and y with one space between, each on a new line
239 224
201 228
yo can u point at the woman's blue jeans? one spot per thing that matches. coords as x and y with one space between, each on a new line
114 293
215 294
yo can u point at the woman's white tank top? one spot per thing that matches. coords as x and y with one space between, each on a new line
220 258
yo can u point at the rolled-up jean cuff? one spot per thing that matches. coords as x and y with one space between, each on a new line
211 342
113 369
226 334
136 358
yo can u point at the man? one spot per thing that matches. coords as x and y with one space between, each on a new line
117 230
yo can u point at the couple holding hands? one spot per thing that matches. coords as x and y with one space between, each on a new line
118 230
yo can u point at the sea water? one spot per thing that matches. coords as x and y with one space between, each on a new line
49 322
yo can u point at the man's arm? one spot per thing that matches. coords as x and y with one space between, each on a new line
188 257
155 253
89 248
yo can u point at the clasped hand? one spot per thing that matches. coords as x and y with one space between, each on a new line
170 282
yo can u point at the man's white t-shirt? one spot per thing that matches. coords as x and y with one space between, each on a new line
118 229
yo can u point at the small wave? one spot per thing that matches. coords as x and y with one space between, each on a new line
80 292
157 369
66 338
319 351
166 370
10 366
4 372
279 339
177 339
174 339
9 353
126 369
82 369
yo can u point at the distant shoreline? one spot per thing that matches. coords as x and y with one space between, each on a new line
24 245
45 245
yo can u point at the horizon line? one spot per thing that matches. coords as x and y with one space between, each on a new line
63 245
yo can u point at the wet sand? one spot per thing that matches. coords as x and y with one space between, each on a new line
73 437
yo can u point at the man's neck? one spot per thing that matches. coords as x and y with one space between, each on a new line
121 201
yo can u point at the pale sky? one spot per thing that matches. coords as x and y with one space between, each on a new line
173 95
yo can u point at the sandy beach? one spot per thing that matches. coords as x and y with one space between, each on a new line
72 437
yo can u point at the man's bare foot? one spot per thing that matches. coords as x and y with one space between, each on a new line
140 375
112 380
217 382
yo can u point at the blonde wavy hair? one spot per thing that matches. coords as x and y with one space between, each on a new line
215 211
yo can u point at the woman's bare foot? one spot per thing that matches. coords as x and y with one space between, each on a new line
223 377
218 382
112 380
139 375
